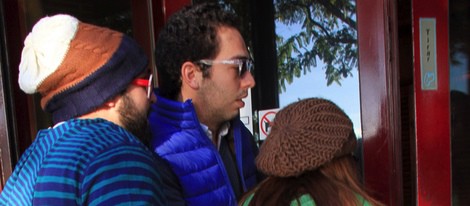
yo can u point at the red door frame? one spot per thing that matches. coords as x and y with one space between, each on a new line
380 104
433 147
162 10
380 96
20 126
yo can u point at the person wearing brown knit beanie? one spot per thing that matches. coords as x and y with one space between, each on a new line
308 159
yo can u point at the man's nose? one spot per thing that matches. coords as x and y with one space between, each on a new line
248 81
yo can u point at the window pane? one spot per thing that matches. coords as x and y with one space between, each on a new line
459 23
317 53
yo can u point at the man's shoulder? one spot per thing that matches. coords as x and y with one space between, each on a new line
97 136
99 130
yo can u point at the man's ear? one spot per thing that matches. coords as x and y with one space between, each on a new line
112 103
190 75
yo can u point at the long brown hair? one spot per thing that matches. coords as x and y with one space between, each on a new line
334 184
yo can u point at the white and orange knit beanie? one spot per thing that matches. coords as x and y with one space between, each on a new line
305 135
76 67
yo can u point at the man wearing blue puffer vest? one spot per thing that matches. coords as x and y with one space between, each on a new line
204 70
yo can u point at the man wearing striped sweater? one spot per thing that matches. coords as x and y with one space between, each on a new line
90 81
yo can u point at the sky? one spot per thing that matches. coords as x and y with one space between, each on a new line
313 84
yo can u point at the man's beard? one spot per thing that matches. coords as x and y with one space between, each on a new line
134 120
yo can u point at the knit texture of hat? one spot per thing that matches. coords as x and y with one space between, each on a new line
305 135
77 67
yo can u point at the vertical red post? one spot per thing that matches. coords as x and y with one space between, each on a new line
162 10
380 99
433 149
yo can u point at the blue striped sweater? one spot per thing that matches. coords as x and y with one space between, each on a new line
85 162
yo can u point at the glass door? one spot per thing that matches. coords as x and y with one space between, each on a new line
459 44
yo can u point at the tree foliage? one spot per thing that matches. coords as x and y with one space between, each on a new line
327 34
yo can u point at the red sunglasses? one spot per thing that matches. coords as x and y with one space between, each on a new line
146 83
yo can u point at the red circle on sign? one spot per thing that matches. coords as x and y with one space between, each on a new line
265 117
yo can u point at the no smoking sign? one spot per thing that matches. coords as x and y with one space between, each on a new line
265 122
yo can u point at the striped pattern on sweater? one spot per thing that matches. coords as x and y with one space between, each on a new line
84 162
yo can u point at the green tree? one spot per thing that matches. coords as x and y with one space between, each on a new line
327 34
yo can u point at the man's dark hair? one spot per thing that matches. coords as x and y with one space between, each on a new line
189 35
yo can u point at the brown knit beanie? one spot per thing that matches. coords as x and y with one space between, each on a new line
305 135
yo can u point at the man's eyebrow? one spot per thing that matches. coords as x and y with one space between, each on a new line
241 57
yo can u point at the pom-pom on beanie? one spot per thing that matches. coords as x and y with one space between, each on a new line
77 67
305 135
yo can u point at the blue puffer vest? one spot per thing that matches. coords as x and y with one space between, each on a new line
178 137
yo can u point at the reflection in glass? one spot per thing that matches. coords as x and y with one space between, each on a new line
459 29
